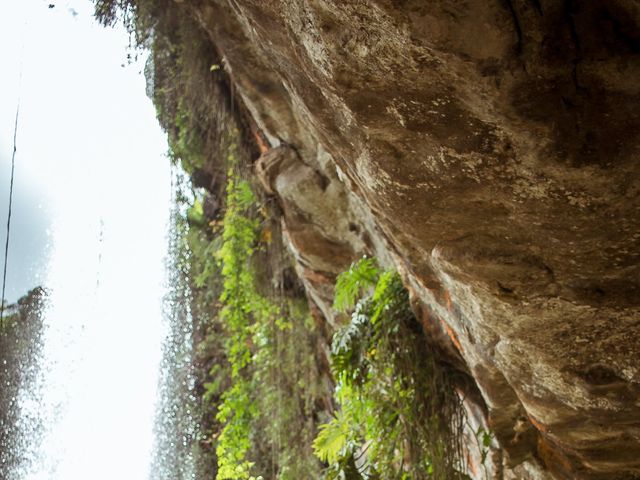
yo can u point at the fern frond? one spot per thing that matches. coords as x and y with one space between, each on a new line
362 275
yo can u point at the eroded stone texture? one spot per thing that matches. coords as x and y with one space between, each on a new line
487 149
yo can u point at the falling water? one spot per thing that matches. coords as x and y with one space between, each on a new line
88 408
176 441
90 145
100 356
20 381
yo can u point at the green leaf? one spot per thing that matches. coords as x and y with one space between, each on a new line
331 440
486 439
350 284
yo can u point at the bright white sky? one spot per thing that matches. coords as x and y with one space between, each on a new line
91 170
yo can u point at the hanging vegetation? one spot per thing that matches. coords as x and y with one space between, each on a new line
399 416
271 363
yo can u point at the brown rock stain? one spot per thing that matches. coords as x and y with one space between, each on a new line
553 458
452 335
537 424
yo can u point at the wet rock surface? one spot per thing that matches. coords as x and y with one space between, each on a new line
487 150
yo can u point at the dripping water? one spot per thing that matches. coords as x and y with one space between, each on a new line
176 427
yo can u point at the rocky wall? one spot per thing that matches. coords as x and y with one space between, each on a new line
488 151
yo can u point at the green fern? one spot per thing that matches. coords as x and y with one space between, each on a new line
351 284
397 409
333 439
350 345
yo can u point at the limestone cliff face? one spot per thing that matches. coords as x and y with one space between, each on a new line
488 151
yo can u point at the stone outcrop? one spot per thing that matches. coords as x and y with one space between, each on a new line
488 151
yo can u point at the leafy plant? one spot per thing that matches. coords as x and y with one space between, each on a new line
484 439
270 359
240 302
350 284
399 416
